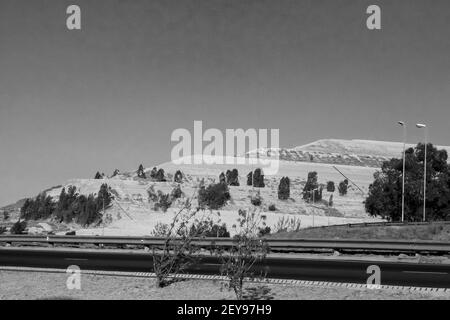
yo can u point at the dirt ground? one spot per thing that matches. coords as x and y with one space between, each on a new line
40 285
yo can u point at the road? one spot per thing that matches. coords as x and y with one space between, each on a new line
316 269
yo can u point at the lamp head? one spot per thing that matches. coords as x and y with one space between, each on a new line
421 125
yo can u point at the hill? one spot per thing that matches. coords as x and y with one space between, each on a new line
366 153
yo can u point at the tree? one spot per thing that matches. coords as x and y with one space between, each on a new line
18 227
343 187
250 178
385 193
98 175
330 186
160 175
284 188
222 178
178 177
247 250
233 177
258 178
140 172
115 173
311 189
153 173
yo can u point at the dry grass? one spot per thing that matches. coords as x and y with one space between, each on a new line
434 231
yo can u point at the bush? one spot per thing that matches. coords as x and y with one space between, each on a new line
176 192
330 186
215 196
263 231
18 227
208 228
272 207
285 224
248 250
2 230
163 202
5 215
284 188
343 187
256 199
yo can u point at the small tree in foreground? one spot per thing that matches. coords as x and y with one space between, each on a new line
238 263
177 251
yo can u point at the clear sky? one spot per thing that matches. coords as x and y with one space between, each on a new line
110 95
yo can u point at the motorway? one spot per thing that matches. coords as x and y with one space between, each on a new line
282 267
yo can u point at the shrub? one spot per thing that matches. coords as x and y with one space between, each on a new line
330 186
5 215
263 231
176 192
18 227
343 187
215 196
163 202
152 195
285 224
2 229
284 188
207 228
247 250
256 199
272 207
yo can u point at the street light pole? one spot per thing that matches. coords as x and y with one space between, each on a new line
420 125
403 124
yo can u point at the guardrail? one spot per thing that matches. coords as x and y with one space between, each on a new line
289 245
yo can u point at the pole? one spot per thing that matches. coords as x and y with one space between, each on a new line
403 174
425 176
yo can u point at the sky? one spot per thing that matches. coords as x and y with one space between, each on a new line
109 95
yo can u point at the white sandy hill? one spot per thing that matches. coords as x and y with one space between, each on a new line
367 153
133 214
